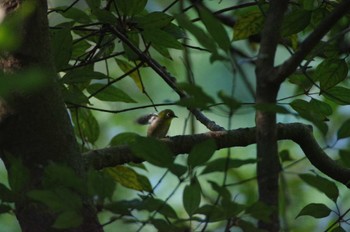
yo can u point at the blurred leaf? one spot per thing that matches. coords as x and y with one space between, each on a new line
62 175
6 195
197 99
93 4
126 67
129 178
338 94
249 22
315 210
300 80
86 125
123 139
61 43
295 21
230 102
222 191
104 16
154 20
100 184
68 219
82 75
269 107
191 197
79 49
285 156
130 7
197 32
164 225
260 210
345 157
73 13
109 93
219 165
213 212
58 200
312 112
248 226
344 130
18 175
322 184
330 72
201 153
338 229
215 29
152 204
161 38
178 169
5 209
153 151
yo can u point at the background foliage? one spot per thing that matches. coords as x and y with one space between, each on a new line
118 60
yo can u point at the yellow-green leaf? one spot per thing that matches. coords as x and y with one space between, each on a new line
126 67
129 178
248 24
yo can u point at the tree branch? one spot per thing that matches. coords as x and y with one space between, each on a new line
297 132
163 73
289 66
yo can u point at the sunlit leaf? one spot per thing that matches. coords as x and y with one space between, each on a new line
248 23
129 178
126 68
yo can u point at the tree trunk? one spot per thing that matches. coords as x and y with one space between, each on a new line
34 126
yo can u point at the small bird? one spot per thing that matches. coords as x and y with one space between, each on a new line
159 123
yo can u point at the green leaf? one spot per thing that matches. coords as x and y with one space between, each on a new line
249 22
82 75
330 72
109 93
154 20
213 212
201 153
295 21
59 199
86 125
161 38
74 95
104 16
5 209
198 98
126 67
322 184
157 205
164 225
61 43
19 175
215 29
68 219
129 178
261 211
315 210
312 112
178 169
153 151
230 102
130 7
73 13
191 197
344 130
100 184
93 4
219 165
285 156
123 139
338 94
197 32
338 229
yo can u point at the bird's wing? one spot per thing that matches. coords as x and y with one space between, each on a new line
146 119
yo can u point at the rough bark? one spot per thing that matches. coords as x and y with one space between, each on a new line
35 126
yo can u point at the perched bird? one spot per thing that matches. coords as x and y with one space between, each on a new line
159 123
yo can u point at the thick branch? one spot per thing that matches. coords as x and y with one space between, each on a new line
297 132
289 66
